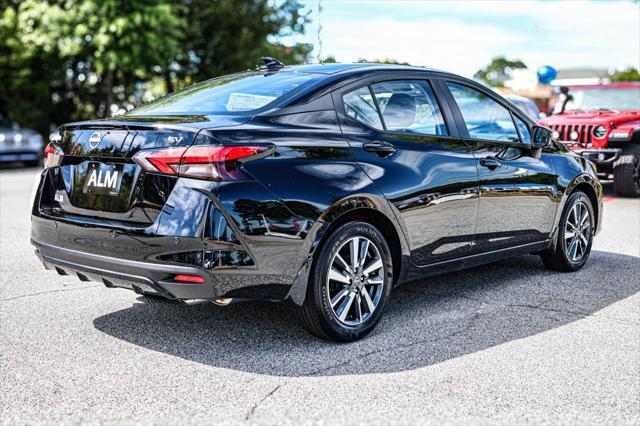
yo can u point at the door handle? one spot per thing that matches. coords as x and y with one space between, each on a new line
383 149
490 162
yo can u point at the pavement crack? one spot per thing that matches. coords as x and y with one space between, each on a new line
49 291
532 306
257 404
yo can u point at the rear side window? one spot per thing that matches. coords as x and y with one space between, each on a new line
484 117
409 106
360 106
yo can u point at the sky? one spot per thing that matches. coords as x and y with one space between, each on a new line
463 35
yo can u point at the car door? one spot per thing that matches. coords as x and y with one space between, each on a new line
403 137
518 191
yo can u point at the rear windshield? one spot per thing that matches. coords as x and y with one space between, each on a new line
229 94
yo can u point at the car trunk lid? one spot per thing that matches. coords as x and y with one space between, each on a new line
98 177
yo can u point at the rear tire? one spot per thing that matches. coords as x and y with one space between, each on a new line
338 309
575 235
626 172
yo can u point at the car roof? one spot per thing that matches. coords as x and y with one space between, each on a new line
348 68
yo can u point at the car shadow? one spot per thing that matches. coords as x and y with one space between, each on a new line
608 189
426 322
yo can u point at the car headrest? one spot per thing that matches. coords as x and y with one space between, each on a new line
400 111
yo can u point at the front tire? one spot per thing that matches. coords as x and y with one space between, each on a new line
349 284
575 235
626 172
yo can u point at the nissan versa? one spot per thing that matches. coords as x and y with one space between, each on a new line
319 186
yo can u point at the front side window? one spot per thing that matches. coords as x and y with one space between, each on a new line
409 106
523 129
484 117
360 106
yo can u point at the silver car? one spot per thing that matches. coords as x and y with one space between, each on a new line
526 105
18 144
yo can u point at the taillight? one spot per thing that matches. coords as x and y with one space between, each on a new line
166 161
200 161
53 155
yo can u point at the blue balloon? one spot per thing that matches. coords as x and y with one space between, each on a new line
546 74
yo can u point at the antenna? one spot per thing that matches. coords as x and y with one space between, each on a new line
267 63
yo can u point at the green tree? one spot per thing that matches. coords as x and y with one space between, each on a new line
629 74
498 70
63 60
383 61
27 64
73 59
125 42
226 36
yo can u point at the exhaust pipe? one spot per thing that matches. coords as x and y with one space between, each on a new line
192 302
219 302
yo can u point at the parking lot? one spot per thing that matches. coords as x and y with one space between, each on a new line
505 343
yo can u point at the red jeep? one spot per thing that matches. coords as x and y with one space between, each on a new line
602 123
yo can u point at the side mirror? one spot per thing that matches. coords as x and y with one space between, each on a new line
541 137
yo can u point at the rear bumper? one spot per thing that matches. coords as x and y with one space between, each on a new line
132 262
199 231
142 277
8 156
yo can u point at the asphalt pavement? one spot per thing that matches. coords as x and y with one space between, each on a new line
507 343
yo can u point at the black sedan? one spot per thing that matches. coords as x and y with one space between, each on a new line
318 186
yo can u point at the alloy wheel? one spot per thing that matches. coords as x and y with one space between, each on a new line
355 280
577 232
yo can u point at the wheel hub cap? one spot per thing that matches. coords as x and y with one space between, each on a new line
355 280
577 232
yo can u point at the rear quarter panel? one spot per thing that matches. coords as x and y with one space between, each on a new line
313 172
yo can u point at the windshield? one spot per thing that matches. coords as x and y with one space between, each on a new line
619 99
229 94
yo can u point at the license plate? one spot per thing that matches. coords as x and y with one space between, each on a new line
103 179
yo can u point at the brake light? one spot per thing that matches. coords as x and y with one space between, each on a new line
199 161
164 161
53 155
187 278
